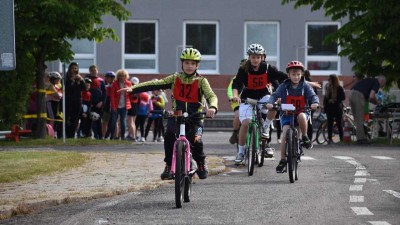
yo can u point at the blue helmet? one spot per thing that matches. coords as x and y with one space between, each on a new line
110 74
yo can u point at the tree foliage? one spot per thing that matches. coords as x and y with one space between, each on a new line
371 38
43 30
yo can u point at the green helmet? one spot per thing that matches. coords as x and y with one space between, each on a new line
191 54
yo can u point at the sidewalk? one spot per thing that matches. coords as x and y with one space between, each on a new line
106 174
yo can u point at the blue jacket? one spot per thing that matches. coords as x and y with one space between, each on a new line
286 87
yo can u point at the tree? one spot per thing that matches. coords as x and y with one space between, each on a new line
371 38
44 27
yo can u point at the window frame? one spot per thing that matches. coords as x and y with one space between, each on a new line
269 57
80 56
141 56
203 56
320 58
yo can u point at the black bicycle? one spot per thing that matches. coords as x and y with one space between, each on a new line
293 145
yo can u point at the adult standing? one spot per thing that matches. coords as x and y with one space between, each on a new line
333 105
363 91
99 93
74 84
120 102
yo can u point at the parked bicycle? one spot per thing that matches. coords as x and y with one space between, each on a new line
183 166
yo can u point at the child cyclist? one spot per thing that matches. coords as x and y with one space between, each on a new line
299 93
188 91
254 76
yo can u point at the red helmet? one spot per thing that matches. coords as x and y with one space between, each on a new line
294 64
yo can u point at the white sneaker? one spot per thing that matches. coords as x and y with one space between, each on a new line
239 157
142 139
265 132
279 141
269 152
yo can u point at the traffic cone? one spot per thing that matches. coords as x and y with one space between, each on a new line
346 131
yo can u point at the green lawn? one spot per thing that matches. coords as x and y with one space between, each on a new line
23 165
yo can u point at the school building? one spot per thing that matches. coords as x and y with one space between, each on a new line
153 37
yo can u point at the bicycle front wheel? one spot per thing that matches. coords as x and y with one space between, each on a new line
251 151
261 153
291 156
179 173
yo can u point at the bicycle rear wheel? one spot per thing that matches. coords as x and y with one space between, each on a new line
179 174
291 156
319 136
251 151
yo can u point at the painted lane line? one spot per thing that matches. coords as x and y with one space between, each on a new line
358 165
394 193
379 223
361 173
355 198
360 180
361 211
382 157
343 157
356 188
307 158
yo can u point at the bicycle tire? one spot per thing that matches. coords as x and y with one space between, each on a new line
335 133
261 153
251 153
179 173
290 154
187 189
297 156
319 136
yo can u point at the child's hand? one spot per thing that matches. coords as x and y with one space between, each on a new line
210 113
314 106
270 106
128 89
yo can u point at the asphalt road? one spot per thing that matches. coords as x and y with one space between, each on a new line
341 184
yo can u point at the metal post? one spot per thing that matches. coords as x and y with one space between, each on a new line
63 102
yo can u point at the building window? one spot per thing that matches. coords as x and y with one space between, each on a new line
204 37
265 34
84 54
322 58
140 47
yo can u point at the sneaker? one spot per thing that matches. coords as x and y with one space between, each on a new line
269 152
279 141
239 157
202 170
281 168
265 132
142 139
307 143
160 139
166 175
234 137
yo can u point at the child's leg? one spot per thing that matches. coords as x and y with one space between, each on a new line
302 120
283 143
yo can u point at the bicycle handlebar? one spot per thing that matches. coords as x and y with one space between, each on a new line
179 113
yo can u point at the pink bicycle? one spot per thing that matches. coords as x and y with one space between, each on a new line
183 166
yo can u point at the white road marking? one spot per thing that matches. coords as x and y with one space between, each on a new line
307 158
382 157
356 164
361 211
355 198
360 180
379 223
361 173
356 188
394 193
343 157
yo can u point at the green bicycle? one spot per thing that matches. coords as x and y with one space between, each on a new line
255 145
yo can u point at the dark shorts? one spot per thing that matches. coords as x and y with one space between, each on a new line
133 111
